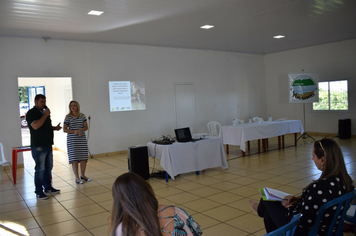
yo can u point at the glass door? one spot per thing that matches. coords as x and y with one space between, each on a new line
32 92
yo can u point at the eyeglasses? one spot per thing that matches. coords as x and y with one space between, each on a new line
321 146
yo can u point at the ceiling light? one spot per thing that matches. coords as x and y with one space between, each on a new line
207 26
279 36
96 13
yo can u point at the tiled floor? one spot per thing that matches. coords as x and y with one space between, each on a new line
216 198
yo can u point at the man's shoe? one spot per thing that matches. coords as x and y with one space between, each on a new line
41 196
52 190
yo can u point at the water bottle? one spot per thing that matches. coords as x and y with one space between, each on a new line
260 120
249 120
270 118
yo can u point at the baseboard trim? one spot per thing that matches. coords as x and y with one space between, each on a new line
322 134
327 134
108 154
8 167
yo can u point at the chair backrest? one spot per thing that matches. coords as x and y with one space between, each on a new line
214 128
287 229
256 119
2 160
351 215
342 203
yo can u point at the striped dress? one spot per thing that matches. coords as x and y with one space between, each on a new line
77 146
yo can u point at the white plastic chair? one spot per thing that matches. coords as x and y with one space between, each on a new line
236 122
214 128
3 161
256 119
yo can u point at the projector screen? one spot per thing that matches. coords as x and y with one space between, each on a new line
127 96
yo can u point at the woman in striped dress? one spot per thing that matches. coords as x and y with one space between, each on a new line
75 124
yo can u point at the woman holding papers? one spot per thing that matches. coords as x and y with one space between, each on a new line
333 182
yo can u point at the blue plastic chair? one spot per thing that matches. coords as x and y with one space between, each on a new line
351 219
287 229
344 201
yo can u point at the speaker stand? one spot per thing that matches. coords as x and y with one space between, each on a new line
305 135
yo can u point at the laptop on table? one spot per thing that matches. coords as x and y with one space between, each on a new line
184 135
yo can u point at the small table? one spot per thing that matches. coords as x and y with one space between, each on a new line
178 158
16 150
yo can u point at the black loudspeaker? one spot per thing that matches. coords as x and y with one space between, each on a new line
345 128
138 161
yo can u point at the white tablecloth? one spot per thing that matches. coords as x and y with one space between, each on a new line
240 134
179 158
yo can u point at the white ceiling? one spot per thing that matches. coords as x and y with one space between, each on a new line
245 26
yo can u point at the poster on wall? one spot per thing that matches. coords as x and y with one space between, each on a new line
303 88
127 95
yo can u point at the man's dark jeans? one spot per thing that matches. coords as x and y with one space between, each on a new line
43 158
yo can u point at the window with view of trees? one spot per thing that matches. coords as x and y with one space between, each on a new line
332 96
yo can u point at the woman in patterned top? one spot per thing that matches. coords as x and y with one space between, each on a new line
136 211
333 182
75 124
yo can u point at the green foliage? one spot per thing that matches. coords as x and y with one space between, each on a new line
338 101
23 97
323 103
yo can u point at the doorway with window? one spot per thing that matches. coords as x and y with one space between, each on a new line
58 92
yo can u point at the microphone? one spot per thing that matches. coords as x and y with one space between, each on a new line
45 107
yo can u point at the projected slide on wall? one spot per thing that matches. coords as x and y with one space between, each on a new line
127 95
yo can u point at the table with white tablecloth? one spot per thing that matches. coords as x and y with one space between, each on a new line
242 133
178 158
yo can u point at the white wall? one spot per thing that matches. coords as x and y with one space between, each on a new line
227 85
333 61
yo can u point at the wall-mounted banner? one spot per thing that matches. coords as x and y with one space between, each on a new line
303 88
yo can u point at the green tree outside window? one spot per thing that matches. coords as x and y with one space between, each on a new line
23 97
332 96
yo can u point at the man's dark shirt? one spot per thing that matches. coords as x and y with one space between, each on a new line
43 136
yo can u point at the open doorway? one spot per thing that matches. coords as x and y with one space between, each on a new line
26 98
58 92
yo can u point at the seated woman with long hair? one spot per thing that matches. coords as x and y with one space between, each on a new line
136 211
333 182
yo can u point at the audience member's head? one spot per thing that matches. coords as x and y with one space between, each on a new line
329 154
134 206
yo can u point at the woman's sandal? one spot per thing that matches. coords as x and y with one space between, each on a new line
86 179
253 205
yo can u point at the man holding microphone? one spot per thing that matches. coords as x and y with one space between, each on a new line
41 129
